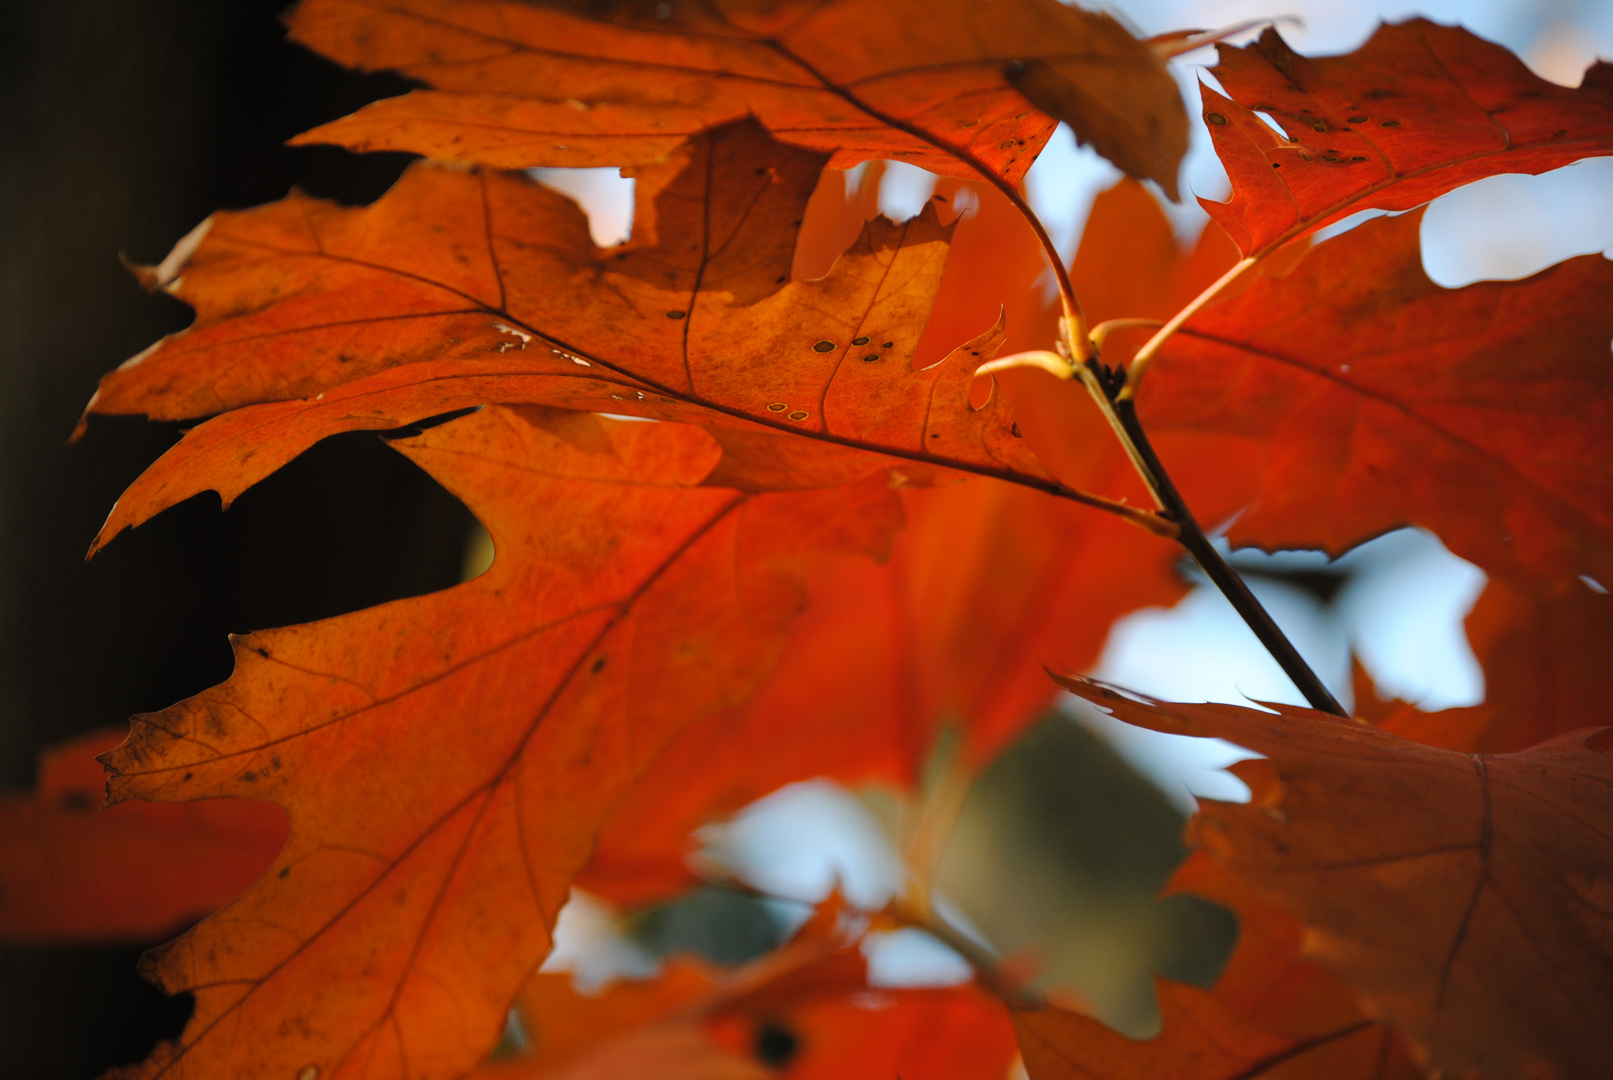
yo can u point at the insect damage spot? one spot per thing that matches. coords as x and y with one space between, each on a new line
860 340
308 1072
1217 119
675 314
777 406
506 346
799 415
823 346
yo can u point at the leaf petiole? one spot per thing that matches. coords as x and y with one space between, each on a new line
1100 333
1145 355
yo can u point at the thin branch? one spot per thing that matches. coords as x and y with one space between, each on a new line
1108 390
987 965
1113 390
1226 578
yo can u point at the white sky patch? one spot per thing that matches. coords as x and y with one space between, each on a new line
802 840
1401 613
589 943
1181 767
905 190
1404 612
605 195
910 957
1200 650
1511 226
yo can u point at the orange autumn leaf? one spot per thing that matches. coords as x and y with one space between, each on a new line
632 664
1542 643
1418 110
952 87
71 872
1461 895
1130 265
1482 413
954 1033
987 581
446 760
315 319
804 1012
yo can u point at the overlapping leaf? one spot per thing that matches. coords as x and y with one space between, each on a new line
952 86
447 760
313 319
1541 639
450 761
1416 111
987 581
1270 1014
1379 399
71 872
802 1013
1496 955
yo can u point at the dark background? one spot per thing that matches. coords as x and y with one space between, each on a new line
125 122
